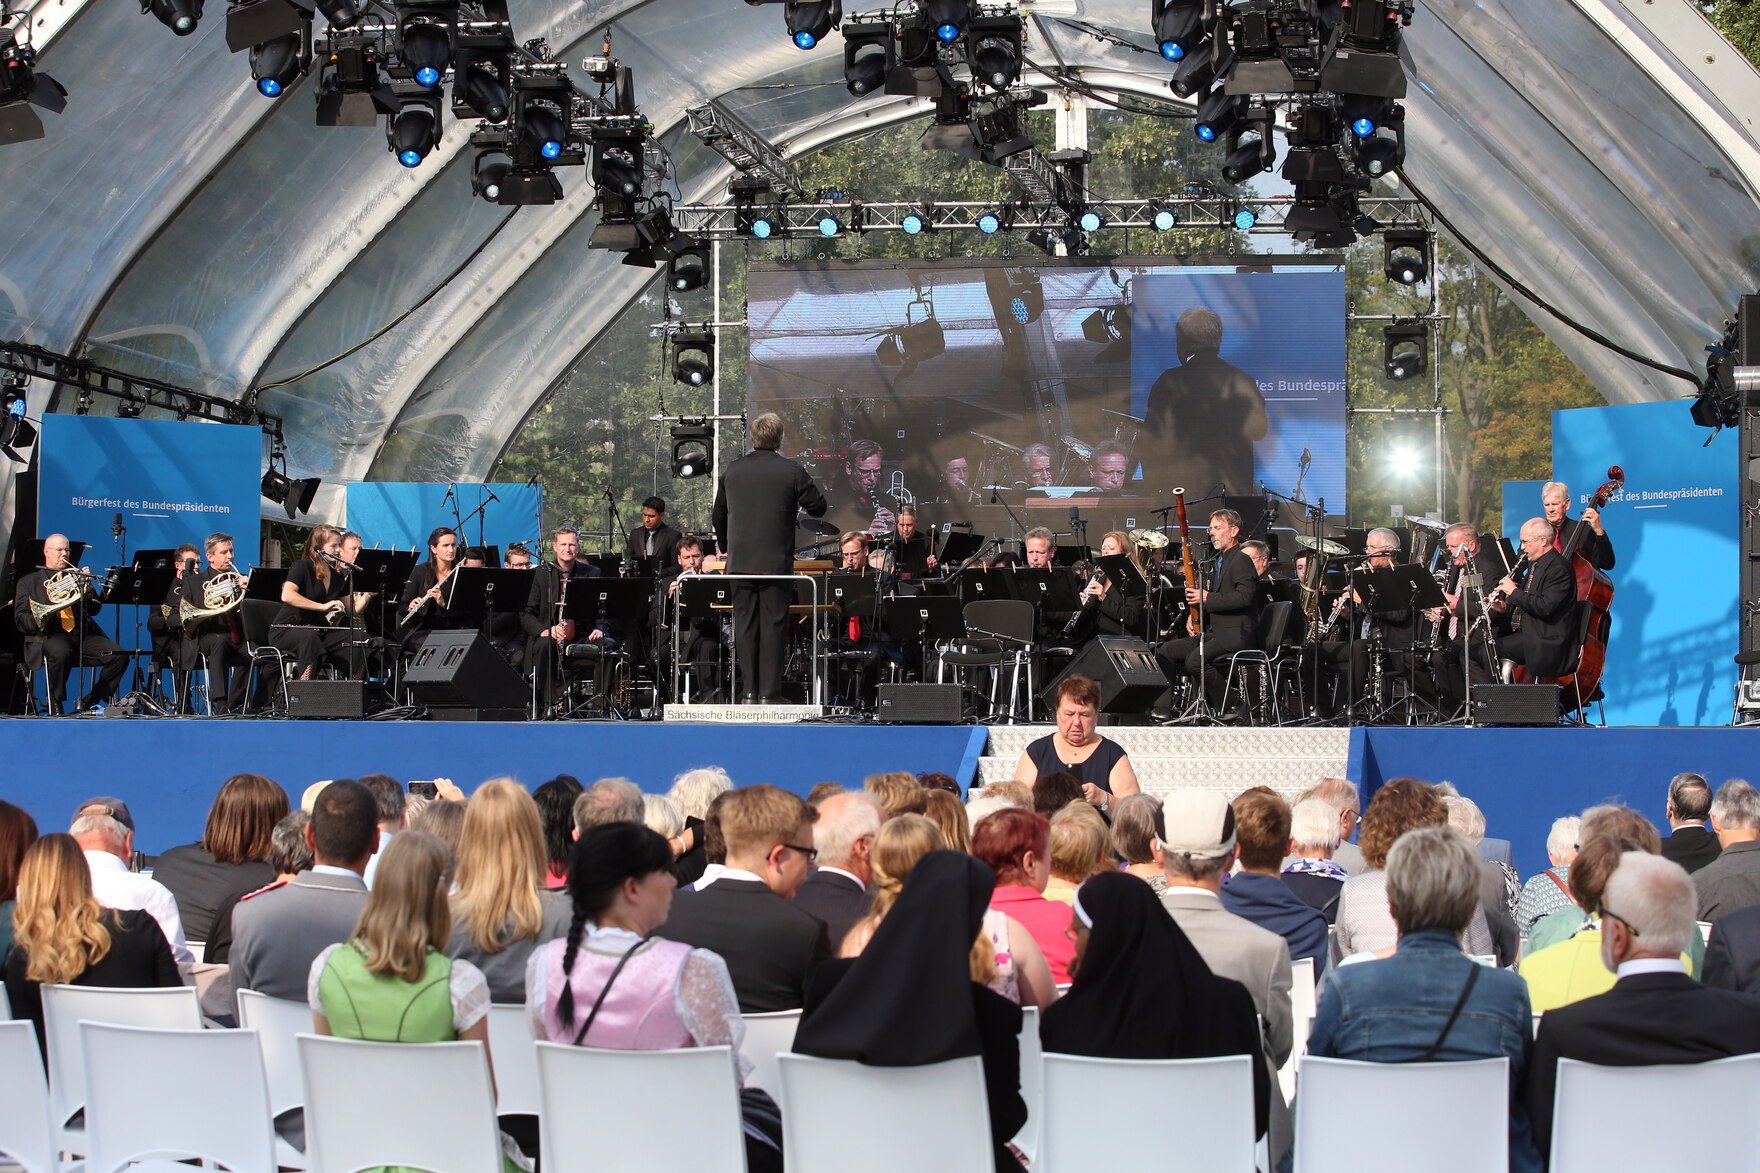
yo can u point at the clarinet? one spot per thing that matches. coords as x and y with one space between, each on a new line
1088 603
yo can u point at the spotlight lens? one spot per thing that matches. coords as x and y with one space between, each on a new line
1245 218
269 87
1164 219
409 158
1173 51
988 223
828 226
183 24
492 191
1206 132
805 39
761 229
1018 309
1363 127
1091 222
912 224
550 149
947 33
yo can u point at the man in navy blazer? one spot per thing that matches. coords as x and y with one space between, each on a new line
837 892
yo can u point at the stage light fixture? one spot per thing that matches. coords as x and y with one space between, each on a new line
279 63
1178 27
16 431
488 170
180 16
810 21
426 51
1090 220
1245 218
693 449
1161 216
1219 114
989 223
340 13
1026 301
480 88
1043 239
1405 349
1366 59
545 130
993 50
947 19
914 223
255 22
1248 153
910 346
693 357
295 496
350 89
869 57
21 87
1386 149
1405 255
753 214
688 267
415 130
1197 70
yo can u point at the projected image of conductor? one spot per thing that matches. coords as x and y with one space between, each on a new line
1204 415
856 500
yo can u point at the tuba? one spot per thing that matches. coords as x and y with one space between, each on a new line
64 589
220 594
1312 576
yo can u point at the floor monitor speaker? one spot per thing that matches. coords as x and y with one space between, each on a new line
1129 676
459 676
918 704
1515 704
327 698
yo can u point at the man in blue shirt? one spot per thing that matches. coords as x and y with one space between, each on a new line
1257 892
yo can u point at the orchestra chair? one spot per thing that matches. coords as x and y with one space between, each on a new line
618 1111
1274 626
254 617
1440 1117
999 634
64 1007
1588 1097
1202 1111
27 1136
278 1023
945 1104
371 1104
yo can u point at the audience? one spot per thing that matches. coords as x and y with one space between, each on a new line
1429 1002
609 800
1078 843
1017 846
232 857
1011 791
693 791
1004 955
17 832
1136 825
837 890
1655 1013
662 816
1341 795
289 855
1606 819
1499 889
946 811
1257 892
580 990
899 792
63 935
1141 991
442 818
746 915
909 1000
501 910
939 781
104 830
1732 880
1548 891
1690 843
823 790
555 800
1055 791
388 792
278 931
1732 955
1310 871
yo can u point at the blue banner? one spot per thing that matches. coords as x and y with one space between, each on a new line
170 483
400 516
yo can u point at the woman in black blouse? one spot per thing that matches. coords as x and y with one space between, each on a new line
316 606
232 857
1100 762
423 606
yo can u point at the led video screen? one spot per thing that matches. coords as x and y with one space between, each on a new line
1014 393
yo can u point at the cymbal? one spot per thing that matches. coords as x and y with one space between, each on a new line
1326 546
1152 538
823 528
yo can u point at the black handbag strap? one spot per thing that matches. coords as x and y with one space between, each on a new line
1472 980
624 960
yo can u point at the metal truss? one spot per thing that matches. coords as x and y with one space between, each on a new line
722 131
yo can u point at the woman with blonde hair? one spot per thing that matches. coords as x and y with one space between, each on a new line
947 812
1004 955
501 909
1078 843
61 935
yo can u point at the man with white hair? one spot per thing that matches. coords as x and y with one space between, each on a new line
1732 880
1311 872
1595 545
1342 796
1550 890
104 830
1655 1013
609 800
837 892
1548 602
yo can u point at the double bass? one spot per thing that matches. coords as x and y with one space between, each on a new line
1594 588
1186 564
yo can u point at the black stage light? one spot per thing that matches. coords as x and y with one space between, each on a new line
810 21
180 16
252 22
488 170
1193 75
340 13
1219 114
1313 165
754 213
993 49
21 87
693 357
911 345
868 57
277 64
293 496
350 89
1385 149
544 129
1405 349
999 130
16 431
1366 60
688 268
1178 27
1249 152
481 88
1110 326
1405 255
528 185
693 449
947 19
414 131
426 50
617 161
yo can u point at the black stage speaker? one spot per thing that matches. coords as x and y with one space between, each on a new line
1515 704
327 698
918 704
459 676
1129 676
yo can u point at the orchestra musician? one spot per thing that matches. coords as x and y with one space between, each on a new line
1113 612
218 639
548 632
422 607
1231 620
1040 547
69 636
1260 553
317 606
1596 546
653 540
1461 587
171 647
1547 603
857 499
351 547
912 552
700 645
955 487
1109 466
1036 462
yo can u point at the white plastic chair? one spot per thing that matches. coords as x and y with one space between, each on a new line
278 1023
27 1135
141 1101
1303 1005
1589 1096
1032 1083
64 1007
619 1111
1439 1117
944 1104
425 1106
516 1064
1201 1109
768 1035
5 1006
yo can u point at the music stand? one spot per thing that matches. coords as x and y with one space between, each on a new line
1070 555
610 563
265 583
1123 574
977 585
957 546
1046 588
473 590
154 558
491 557
700 595
27 554
924 617
140 586
1395 588
851 592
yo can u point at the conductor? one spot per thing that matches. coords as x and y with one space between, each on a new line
756 504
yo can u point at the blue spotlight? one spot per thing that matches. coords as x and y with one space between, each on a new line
550 149
409 158
1091 221
1173 50
1245 219
269 87
762 228
828 226
912 224
1206 132
1165 218
805 40
1363 127
427 75
989 222
947 33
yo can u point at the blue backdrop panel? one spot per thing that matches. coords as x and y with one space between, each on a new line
1677 606
1525 778
402 515
1521 500
169 798
172 483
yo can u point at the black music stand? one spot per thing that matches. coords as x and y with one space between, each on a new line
1123 574
154 558
27 554
977 585
265 584
609 562
924 617
957 546
1396 588
1070 555
383 573
474 590
141 586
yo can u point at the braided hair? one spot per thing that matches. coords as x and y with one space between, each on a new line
604 858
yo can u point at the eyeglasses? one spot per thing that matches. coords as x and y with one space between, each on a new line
812 853
1607 913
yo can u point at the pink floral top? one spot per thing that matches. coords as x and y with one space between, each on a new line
1005 982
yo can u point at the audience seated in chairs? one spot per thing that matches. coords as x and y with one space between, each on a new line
104 830
858 1009
693 791
1078 843
555 800
1654 1013
899 792
1500 888
609 800
232 857
1607 819
1310 871
837 891
289 855
1732 880
501 911
1341 795
1429 1002
1257 891
1017 846
946 811
1690 842
1548 891
1141 991
389 793
63 935
613 983
17 832
1136 827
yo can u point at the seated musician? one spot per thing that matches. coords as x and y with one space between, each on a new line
67 636
1113 612
1260 553
317 607
548 632
1040 548
858 641
351 547
1548 605
700 645
1227 602
1595 545
218 639
171 648
1464 588
653 540
502 628
912 552
423 607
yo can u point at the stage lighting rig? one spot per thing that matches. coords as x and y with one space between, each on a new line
993 50
350 89
1179 27
1110 328
1199 68
693 449
755 211
687 268
693 357
1384 150
414 131
1405 349
1249 148
480 86
1365 52
1220 114
514 162
278 63
21 87
869 56
180 16
16 430
811 21
1405 255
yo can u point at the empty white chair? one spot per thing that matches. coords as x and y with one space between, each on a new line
767 1035
426 1106
173 1094
1590 1100
1032 1082
1302 1001
619 1111
170 1008
5 1006
516 1064
278 1023
1201 1109
1439 1117
943 1104
27 1136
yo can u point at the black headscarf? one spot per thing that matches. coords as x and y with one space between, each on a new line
907 1000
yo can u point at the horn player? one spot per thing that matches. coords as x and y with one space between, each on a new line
218 634
65 636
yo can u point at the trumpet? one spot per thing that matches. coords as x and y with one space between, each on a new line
220 595
65 588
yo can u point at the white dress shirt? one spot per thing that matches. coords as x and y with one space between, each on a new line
115 886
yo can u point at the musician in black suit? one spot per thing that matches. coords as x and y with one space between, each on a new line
1368 622
171 648
502 628
700 646
1231 622
856 500
1655 1013
67 637
1548 604
547 631
1467 570
1595 545
218 639
756 504
1204 415
747 914
654 539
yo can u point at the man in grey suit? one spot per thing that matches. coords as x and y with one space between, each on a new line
837 891
279 931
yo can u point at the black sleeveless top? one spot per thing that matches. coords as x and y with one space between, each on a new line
1097 769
